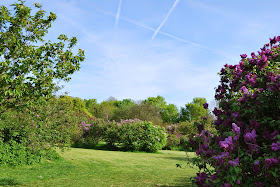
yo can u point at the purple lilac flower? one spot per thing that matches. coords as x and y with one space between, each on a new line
200 127
244 89
203 118
250 136
274 134
238 182
201 178
226 185
273 40
275 146
236 129
243 56
213 177
271 162
242 99
227 144
205 105
257 162
179 135
234 163
235 114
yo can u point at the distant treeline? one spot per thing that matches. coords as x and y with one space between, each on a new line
154 109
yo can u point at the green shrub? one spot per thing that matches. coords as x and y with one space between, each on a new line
92 132
112 133
35 132
172 141
133 135
153 138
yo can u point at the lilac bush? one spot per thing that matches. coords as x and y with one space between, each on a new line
245 149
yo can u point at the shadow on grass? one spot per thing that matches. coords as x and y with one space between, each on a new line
182 181
8 182
106 147
177 158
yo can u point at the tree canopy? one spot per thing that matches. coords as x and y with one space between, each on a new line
29 64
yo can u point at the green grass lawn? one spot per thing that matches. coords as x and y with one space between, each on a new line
88 167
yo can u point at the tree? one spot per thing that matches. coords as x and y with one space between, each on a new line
106 110
194 110
92 106
158 101
146 112
29 64
169 113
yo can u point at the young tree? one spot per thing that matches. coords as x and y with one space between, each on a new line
169 113
194 110
29 64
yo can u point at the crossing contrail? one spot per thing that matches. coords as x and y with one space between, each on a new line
221 53
118 13
170 11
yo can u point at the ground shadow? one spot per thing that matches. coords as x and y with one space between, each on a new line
106 147
177 158
8 182
180 182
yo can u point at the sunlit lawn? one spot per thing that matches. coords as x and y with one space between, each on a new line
87 167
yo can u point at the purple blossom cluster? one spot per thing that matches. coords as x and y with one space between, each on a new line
128 121
275 146
85 126
247 123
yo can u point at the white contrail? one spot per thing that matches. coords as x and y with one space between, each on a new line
118 13
221 53
170 11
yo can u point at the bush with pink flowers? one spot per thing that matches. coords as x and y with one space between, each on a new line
245 151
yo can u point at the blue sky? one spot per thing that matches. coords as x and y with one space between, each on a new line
173 48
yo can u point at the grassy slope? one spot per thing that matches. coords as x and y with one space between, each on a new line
85 167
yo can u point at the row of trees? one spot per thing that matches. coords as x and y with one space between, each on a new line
153 109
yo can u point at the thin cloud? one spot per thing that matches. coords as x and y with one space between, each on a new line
218 52
118 13
170 11
151 29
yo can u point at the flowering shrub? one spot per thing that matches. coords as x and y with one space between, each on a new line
133 135
178 135
153 137
245 149
30 135
92 131
173 141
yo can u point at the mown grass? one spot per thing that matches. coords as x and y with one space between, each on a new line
87 167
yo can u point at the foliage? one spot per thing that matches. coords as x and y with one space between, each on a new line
92 131
245 150
178 135
169 113
106 110
134 135
29 65
76 104
29 136
194 110
173 141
